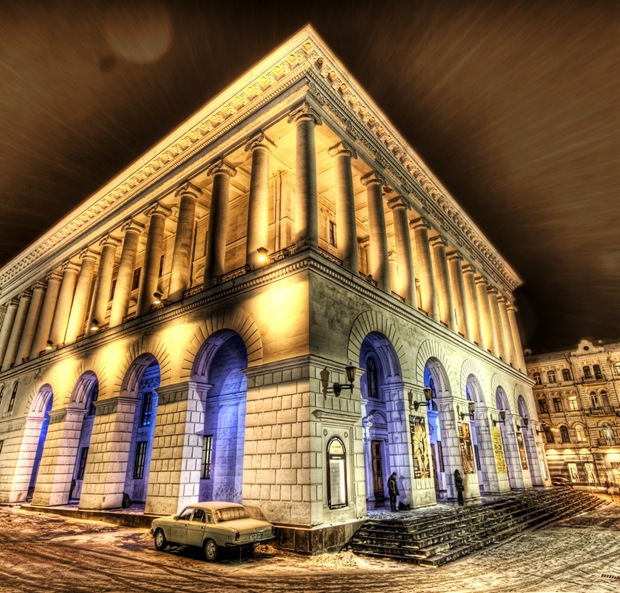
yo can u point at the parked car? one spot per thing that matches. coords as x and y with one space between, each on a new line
211 526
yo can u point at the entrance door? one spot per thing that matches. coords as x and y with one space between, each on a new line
376 448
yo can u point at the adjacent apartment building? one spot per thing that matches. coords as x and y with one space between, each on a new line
578 401
278 304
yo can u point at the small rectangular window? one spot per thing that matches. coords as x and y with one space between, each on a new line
587 373
135 283
138 466
557 405
12 400
542 406
207 452
572 403
566 375
161 266
82 464
597 371
331 231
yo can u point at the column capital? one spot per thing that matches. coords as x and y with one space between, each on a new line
88 253
510 306
372 178
468 269
109 240
438 241
188 189
157 209
222 166
56 276
69 266
453 254
397 203
132 226
480 279
259 141
39 285
14 301
419 223
27 293
492 290
342 148
304 113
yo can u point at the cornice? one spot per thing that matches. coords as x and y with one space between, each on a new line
303 57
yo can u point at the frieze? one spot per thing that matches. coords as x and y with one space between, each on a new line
58 416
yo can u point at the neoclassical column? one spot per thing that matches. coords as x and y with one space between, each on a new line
379 264
46 317
79 308
457 281
425 268
497 324
444 288
63 306
516 338
404 252
509 351
7 325
258 205
30 327
152 256
103 283
306 198
218 221
180 274
346 228
124 278
475 309
488 335
16 332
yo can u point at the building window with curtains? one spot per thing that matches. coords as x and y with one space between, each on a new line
207 453
372 382
551 376
549 435
82 464
147 409
138 466
557 405
536 377
566 375
587 373
564 434
542 406
597 371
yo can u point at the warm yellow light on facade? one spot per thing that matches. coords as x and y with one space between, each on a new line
263 255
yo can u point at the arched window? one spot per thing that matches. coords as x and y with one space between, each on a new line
372 383
564 434
597 371
550 376
431 383
566 375
594 400
536 377
336 474
617 367
580 433
549 435
94 395
608 434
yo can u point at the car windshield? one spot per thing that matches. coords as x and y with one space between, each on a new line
231 514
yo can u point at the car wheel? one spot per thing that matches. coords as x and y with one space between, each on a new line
161 543
210 548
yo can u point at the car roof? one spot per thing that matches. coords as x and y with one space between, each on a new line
213 505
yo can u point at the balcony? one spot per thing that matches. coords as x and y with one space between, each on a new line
606 443
603 410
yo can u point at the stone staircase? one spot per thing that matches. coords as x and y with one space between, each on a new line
433 537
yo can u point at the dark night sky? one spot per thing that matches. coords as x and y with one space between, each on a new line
515 106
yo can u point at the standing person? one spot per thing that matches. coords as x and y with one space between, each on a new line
393 491
458 483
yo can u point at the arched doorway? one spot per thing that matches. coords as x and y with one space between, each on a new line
483 449
84 396
219 364
37 426
381 394
529 444
142 381
507 430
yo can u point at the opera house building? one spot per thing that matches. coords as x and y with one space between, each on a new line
278 304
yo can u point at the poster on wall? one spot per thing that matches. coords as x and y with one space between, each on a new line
421 460
337 470
467 452
498 448
572 472
521 447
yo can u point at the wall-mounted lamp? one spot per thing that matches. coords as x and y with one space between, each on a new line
428 396
544 427
526 421
337 388
502 418
471 406
263 255
49 346
157 296
94 326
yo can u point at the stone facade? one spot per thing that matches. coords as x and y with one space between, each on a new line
577 394
187 333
